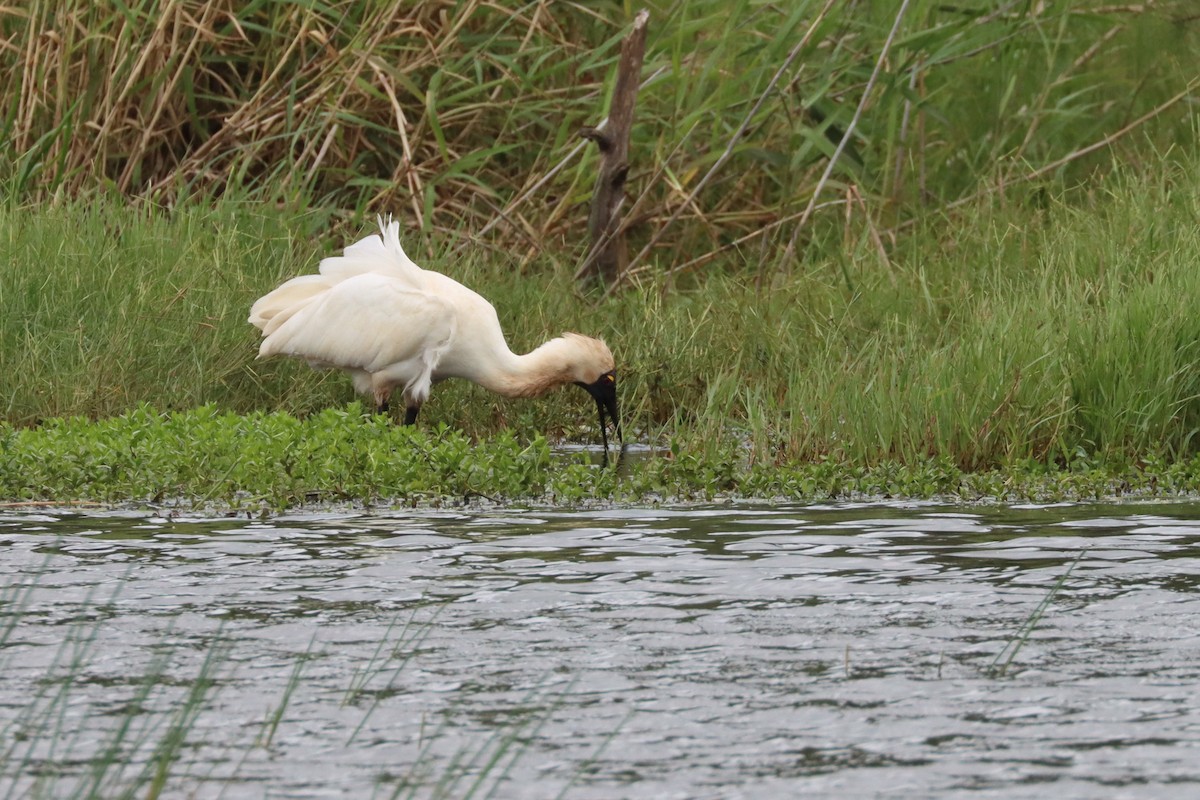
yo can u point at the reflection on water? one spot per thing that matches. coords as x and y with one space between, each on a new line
745 651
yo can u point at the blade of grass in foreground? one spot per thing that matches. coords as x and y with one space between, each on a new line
167 750
271 724
39 732
1002 661
485 766
114 744
408 642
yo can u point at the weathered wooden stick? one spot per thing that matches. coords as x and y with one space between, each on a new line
609 253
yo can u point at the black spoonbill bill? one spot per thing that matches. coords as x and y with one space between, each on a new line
390 324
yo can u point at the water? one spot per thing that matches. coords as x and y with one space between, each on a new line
730 652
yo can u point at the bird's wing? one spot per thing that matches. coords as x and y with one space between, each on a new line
380 252
366 322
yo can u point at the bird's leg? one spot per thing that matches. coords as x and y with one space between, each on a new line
381 400
603 433
410 415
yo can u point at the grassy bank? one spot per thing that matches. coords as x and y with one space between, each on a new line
1037 328
999 270
1044 348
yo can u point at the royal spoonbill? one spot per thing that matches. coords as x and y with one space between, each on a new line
390 324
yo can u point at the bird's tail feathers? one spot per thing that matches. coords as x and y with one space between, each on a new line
381 253
389 232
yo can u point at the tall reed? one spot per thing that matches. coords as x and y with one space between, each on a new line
464 115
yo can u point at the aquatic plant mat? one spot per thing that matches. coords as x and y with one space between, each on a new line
205 459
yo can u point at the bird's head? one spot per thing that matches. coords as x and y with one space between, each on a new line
588 358
593 368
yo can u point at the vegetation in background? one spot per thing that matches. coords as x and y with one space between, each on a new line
909 234
465 115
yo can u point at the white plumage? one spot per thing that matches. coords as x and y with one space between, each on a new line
390 324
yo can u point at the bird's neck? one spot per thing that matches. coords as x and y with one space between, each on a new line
532 374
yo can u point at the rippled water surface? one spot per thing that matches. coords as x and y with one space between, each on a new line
740 651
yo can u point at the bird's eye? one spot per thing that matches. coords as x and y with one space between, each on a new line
610 378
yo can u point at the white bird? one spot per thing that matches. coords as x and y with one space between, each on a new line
390 324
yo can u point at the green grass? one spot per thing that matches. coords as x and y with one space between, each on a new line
1048 329
259 463
1004 659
